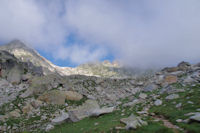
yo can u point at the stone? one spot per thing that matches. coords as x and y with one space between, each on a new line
183 66
158 102
150 87
179 105
171 69
170 79
72 95
104 110
53 97
15 113
190 102
143 95
27 109
89 108
195 117
131 104
60 119
189 80
49 127
133 122
36 103
179 120
172 96
83 111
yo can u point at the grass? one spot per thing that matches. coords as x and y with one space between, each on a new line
168 109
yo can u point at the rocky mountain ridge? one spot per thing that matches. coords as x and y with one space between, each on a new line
26 54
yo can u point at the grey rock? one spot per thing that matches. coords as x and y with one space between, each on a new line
143 95
150 87
172 96
179 105
49 127
158 102
133 122
130 104
195 117
104 110
60 119
89 108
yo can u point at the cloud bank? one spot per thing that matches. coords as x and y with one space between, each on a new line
138 33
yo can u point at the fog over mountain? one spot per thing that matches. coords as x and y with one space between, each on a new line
138 33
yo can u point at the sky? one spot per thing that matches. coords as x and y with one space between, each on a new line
137 33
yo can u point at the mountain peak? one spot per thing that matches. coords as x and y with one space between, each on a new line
17 44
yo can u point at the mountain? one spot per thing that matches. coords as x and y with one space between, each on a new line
100 69
26 54
104 98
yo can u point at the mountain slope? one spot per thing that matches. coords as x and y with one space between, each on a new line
99 69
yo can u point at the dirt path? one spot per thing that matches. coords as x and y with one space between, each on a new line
168 124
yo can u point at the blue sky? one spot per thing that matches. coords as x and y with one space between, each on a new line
138 33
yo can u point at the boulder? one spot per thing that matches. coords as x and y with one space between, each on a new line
15 113
60 119
150 87
53 97
36 103
89 108
170 79
172 96
143 95
170 69
27 109
195 117
83 111
183 66
72 95
133 122
49 127
104 110
158 102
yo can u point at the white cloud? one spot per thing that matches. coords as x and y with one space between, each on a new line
139 33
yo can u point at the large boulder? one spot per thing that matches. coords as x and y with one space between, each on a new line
89 108
72 95
170 79
183 66
133 122
53 97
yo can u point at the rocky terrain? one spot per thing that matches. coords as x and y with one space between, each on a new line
37 96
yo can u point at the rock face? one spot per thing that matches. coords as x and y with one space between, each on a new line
14 75
133 122
89 108
53 97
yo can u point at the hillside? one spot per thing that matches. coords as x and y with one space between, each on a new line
37 96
